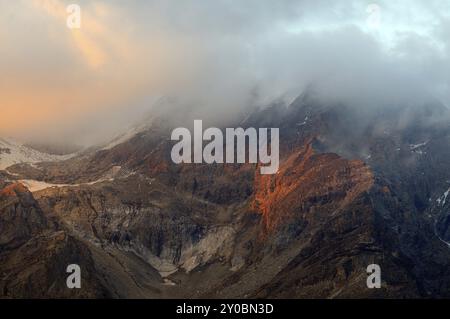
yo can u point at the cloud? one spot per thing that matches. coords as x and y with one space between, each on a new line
222 56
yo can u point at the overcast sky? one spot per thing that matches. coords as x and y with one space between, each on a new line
225 55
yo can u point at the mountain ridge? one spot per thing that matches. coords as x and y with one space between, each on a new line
348 194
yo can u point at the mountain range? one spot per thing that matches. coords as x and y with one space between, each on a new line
356 186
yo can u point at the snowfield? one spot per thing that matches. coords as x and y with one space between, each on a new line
36 186
12 153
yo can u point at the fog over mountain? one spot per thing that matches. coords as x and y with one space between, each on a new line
221 56
355 95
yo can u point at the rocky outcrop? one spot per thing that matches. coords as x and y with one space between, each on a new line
35 252
310 186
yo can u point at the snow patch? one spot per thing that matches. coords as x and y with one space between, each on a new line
36 186
13 152
304 122
116 171
443 199
416 147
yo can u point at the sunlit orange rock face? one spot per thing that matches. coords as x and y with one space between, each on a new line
13 190
309 186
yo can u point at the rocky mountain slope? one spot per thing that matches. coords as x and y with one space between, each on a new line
354 188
